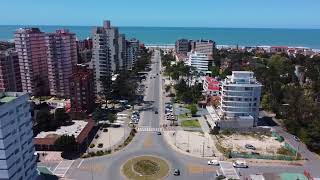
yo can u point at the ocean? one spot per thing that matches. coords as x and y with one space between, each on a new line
223 36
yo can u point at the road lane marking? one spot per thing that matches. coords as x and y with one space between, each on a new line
148 129
57 166
68 168
80 163
228 170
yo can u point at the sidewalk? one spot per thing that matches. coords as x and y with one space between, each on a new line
198 144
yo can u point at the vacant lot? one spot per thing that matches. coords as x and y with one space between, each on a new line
263 144
193 123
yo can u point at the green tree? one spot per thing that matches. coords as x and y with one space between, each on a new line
215 71
193 109
266 101
111 117
97 114
61 116
66 143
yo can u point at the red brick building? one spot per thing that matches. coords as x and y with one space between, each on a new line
82 89
10 79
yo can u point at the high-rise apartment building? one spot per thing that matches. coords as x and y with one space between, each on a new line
62 56
101 60
82 89
122 52
10 79
203 46
113 41
200 61
133 47
108 53
31 47
17 158
240 100
182 46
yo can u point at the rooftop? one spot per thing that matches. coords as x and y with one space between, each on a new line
74 129
6 97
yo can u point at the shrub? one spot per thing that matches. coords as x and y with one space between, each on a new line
99 153
92 145
100 145
97 136
105 130
227 132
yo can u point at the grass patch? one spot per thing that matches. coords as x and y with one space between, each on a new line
193 123
183 116
145 168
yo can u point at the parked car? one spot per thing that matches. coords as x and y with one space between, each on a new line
158 133
156 112
240 164
176 172
296 138
249 146
128 106
214 162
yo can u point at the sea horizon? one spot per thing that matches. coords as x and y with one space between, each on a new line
291 37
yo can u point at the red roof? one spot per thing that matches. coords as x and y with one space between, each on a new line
85 132
213 84
80 138
44 141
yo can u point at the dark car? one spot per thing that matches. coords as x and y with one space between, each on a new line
158 133
296 138
176 172
249 146
156 112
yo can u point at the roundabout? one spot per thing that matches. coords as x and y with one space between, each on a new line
145 167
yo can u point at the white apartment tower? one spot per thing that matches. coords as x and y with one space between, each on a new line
101 60
113 41
240 100
200 61
17 159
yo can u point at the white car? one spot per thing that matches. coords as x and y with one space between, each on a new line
214 162
240 164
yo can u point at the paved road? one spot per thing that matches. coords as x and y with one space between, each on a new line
147 142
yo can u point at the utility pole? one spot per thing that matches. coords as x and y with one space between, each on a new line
188 142
203 149
297 150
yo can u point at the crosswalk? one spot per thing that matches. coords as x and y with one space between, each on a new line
228 170
148 129
63 168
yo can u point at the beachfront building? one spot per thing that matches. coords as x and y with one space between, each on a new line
203 46
113 45
101 60
10 79
82 89
182 46
132 50
240 100
62 55
17 152
211 86
31 47
200 61
122 57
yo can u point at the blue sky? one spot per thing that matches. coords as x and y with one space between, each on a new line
167 13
